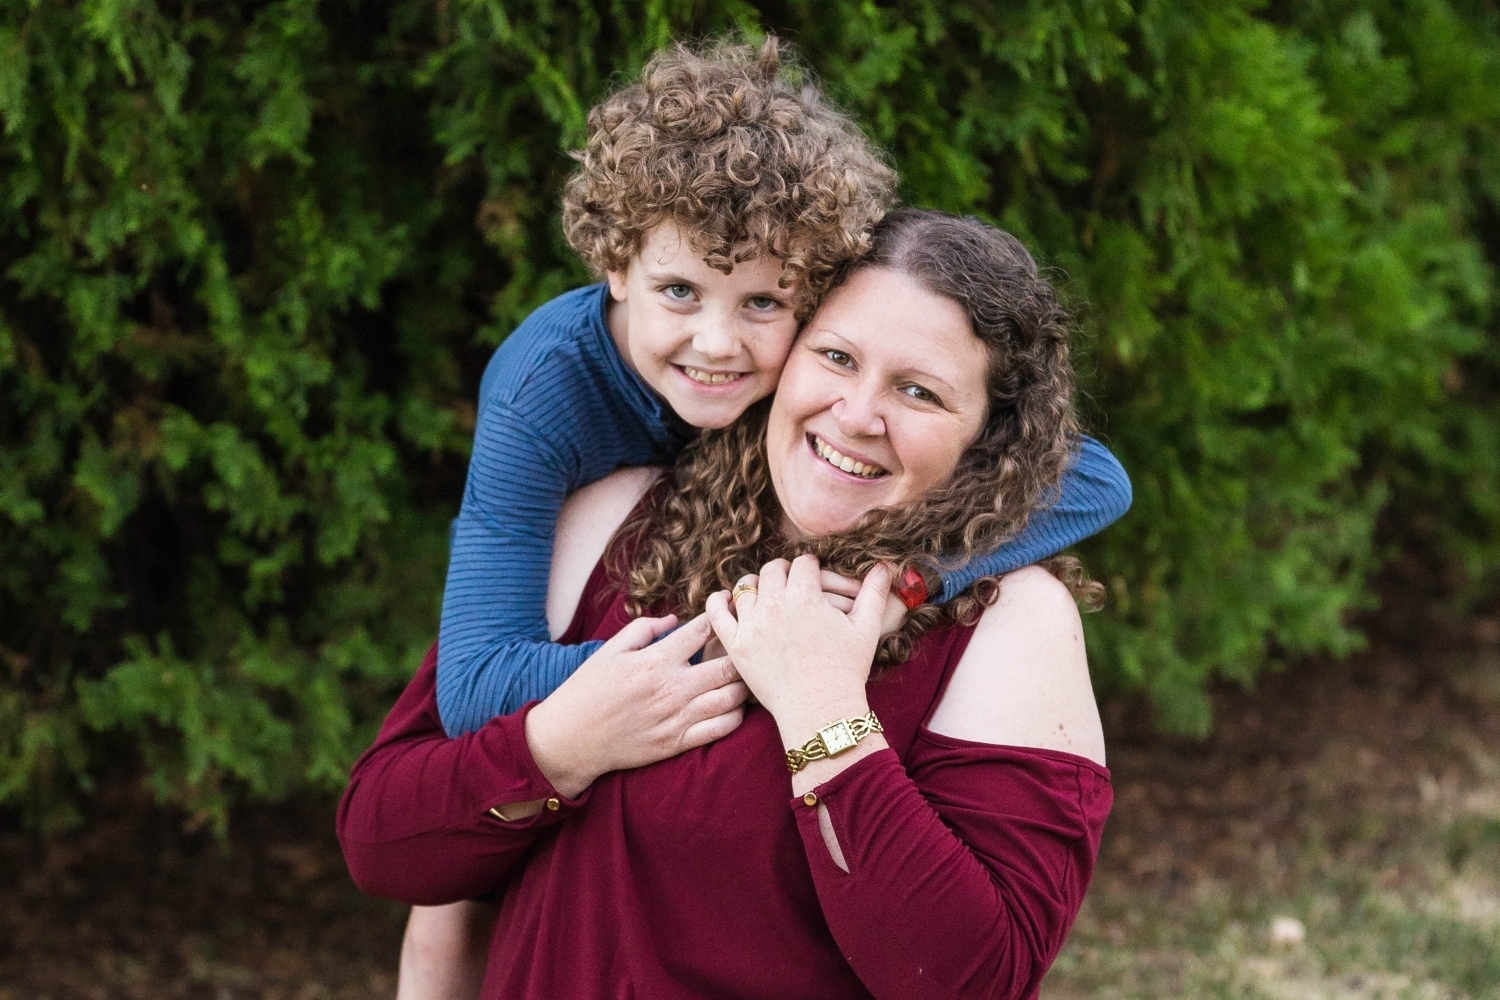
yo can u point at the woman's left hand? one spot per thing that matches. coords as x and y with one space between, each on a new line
805 661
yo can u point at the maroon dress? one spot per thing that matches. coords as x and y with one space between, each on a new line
703 877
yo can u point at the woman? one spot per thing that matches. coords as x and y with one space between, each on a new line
939 825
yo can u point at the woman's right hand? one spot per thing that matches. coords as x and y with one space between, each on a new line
634 702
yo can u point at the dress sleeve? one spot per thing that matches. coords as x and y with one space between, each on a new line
967 867
495 652
1095 493
414 823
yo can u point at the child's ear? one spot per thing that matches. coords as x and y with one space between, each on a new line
616 285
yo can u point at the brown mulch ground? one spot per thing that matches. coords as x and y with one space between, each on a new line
1348 754
135 907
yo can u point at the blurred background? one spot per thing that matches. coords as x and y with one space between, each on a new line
254 256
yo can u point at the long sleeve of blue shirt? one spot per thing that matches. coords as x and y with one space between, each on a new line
559 409
1095 493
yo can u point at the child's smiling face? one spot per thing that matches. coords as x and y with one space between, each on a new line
709 343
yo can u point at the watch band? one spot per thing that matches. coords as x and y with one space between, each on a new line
832 740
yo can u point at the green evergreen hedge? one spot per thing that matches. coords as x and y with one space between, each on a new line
253 257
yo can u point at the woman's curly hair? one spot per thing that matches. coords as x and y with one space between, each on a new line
719 518
739 148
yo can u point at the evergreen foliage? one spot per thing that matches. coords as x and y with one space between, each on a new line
254 255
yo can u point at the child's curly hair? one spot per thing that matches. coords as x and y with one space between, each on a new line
738 147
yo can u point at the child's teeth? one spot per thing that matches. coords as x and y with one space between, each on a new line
710 378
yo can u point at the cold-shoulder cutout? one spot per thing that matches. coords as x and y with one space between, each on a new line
1024 679
586 523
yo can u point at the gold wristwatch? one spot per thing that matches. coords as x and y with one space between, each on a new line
833 740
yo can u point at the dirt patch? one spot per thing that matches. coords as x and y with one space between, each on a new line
137 908
1337 837
1353 756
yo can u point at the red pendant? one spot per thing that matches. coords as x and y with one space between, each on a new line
911 588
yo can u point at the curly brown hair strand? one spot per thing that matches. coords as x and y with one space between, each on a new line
739 148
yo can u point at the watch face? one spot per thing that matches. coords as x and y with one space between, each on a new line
837 738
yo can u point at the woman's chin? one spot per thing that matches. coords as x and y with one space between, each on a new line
820 500
818 521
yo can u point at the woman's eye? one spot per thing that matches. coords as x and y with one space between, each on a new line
919 393
678 293
838 357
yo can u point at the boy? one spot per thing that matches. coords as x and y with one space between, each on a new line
718 200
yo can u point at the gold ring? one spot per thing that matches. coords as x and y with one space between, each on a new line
742 588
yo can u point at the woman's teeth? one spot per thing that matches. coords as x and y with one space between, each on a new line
831 455
710 378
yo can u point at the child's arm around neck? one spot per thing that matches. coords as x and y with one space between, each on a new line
561 410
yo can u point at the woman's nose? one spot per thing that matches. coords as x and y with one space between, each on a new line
857 416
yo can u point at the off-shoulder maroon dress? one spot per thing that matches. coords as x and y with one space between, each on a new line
703 877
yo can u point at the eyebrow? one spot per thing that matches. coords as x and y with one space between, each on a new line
922 372
674 278
671 277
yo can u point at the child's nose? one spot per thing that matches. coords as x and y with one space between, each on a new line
715 341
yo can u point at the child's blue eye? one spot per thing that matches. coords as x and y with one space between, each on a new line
763 302
680 293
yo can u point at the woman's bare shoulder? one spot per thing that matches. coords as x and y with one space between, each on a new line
585 525
1024 678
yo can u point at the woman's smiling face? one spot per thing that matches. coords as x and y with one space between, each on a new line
883 392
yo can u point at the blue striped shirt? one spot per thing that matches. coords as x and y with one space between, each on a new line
559 409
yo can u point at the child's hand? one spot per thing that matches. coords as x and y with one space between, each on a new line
635 702
840 592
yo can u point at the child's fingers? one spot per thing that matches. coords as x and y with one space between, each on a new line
716 609
687 640
640 633
718 701
705 732
833 583
712 674
839 602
